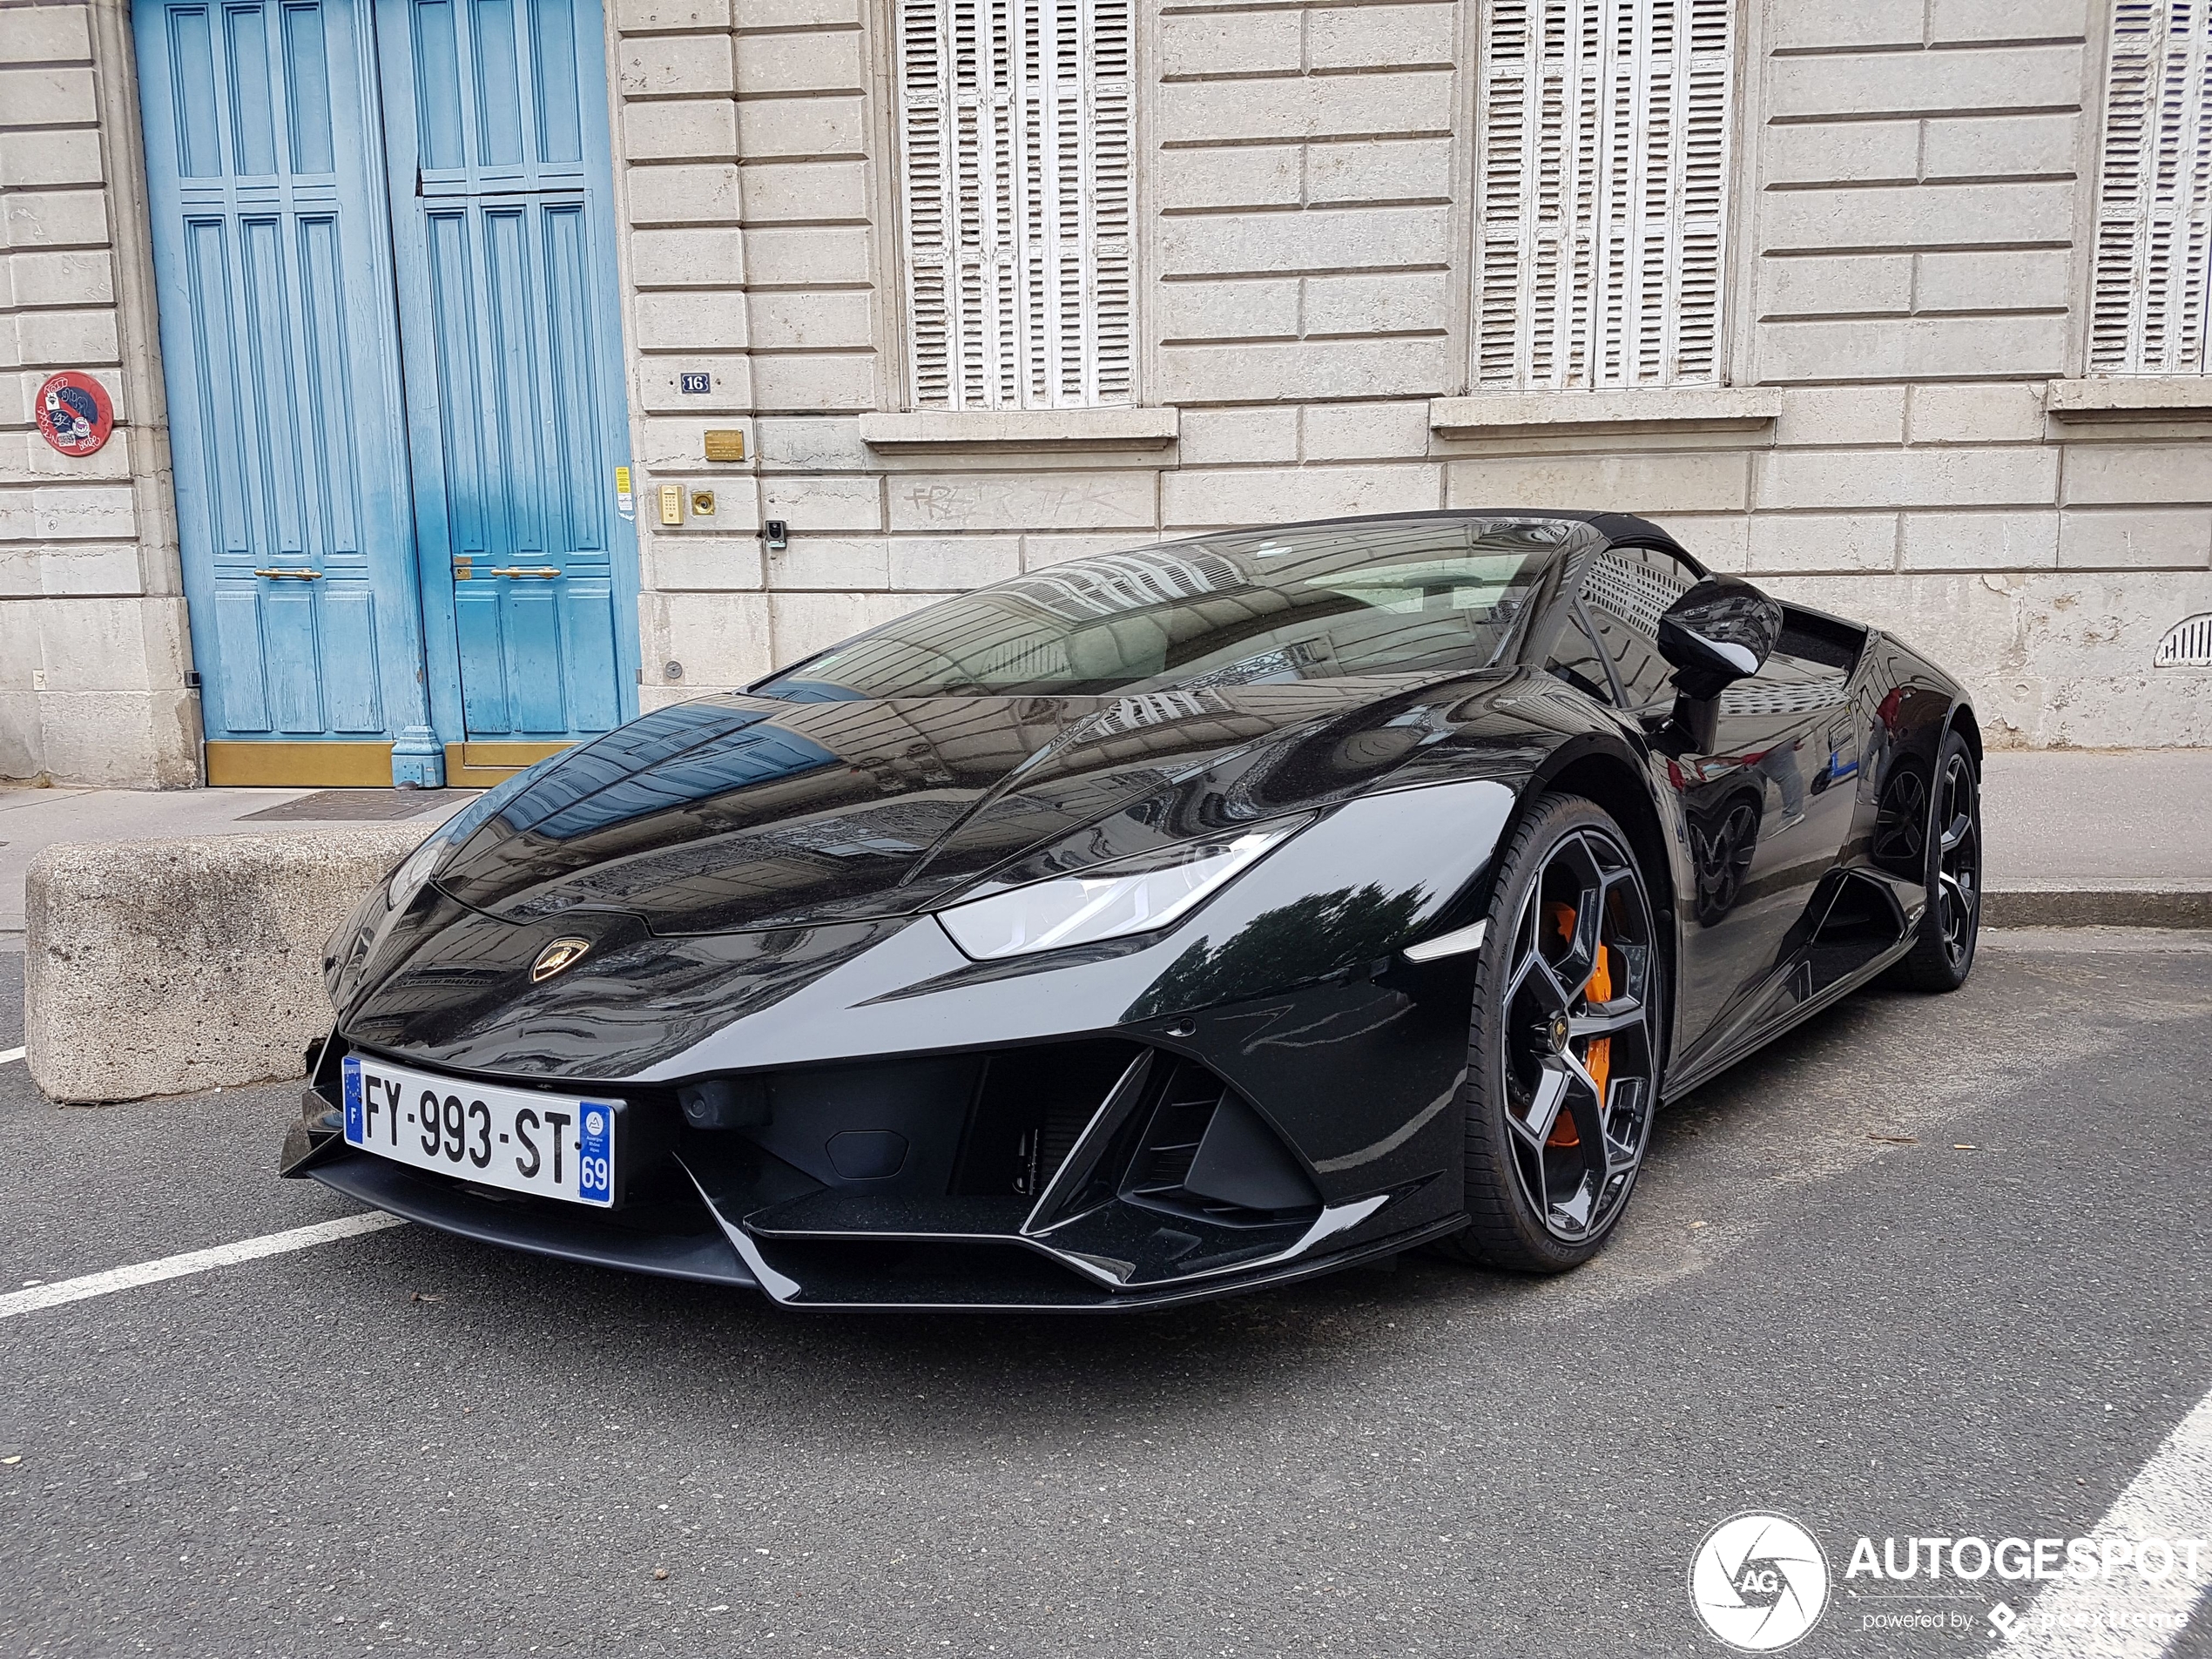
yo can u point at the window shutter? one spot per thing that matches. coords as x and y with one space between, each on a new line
2155 194
1503 221
1709 99
1017 175
923 107
1063 92
1113 148
1606 131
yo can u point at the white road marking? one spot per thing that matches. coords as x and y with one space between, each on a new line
6 1055
2125 1616
193 1261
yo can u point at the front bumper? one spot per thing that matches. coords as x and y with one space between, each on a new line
1097 1176
450 1207
1268 1089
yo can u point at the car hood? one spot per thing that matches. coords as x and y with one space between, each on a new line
737 813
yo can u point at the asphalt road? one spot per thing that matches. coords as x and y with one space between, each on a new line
1937 1266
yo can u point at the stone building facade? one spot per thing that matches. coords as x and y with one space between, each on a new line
94 648
1904 401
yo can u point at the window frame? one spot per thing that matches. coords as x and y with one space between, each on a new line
897 379
1735 328
1562 611
1698 572
1579 626
2090 218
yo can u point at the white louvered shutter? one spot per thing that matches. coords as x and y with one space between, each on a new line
1605 131
1017 142
2154 195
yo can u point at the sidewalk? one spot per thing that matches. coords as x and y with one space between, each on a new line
2074 836
33 819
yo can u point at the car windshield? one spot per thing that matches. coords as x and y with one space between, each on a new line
1412 595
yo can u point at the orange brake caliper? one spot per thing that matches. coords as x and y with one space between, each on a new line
1597 1060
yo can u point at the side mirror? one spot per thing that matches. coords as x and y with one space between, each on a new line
1722 630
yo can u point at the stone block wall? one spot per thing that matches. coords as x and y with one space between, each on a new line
1911 218
93 646
1910 223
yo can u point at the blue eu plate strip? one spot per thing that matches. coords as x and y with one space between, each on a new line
595 1170
355 1131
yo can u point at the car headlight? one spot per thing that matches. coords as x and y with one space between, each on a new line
1136 895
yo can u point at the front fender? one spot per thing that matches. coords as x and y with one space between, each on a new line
1367 878
1338 899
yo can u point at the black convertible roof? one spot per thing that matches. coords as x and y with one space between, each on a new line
1614 527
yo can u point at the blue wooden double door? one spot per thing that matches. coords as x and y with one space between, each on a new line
384 251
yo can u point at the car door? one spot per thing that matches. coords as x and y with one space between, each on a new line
1763 821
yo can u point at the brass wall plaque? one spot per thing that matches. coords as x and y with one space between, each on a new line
725 443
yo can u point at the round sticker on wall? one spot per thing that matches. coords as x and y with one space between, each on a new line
74 414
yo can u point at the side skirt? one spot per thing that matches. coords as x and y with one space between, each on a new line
1674 1087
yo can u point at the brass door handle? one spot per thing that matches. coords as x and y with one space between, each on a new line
526 570
302 574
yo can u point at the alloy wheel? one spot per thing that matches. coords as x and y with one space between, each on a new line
1581 1047
1957 859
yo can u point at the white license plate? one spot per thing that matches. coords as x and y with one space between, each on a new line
556 1146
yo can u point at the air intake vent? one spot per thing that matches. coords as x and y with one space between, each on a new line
1029 1108
2188 644
1206 1154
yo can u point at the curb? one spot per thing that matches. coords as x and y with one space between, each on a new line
2108 904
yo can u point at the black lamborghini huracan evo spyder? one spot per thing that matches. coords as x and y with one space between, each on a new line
1158 925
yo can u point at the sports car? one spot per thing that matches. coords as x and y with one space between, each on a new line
1158 925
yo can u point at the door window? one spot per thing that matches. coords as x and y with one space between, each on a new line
1625 591
1574 657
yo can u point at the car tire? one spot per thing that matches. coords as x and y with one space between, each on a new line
1942 949
1557 1125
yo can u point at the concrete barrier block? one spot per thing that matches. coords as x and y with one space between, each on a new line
167 968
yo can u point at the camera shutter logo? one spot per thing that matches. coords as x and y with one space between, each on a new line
1759 1582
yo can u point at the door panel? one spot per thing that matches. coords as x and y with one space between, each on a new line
280 353
288 642
236 687
588 635
513 357
1768 812
350 617
1764 826
537 705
